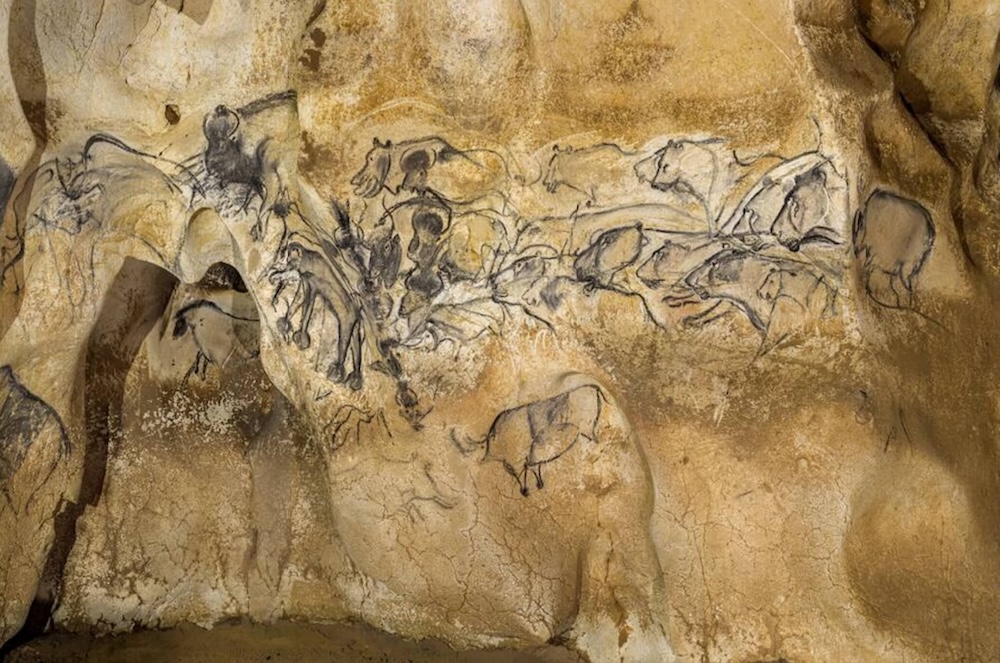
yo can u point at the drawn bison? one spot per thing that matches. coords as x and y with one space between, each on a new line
892 238
234 156
525 438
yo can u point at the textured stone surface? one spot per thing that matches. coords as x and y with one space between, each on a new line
649 332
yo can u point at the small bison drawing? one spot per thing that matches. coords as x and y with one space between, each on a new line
525 438
892 238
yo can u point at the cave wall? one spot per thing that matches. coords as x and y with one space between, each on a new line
650 330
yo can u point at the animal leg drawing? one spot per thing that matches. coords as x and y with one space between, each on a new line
525 438
317 280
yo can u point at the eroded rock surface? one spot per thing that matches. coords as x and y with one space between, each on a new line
650 332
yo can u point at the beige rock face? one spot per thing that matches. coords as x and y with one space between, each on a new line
655 331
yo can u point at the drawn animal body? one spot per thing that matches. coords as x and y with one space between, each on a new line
429 222
677 258
776 296
611 251
431 165
349 261
514 281
216 338
385 257
696 171
892 238
802 287
401 166
455 321
23 418
731 276
525 438
229 160
317 280
227 157
430 216
79 182
598 172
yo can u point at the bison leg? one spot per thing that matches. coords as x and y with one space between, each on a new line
897 289
246 199
522 479
284 323
346 331
336 369
537 471
879 285
259 228
906 298
520 476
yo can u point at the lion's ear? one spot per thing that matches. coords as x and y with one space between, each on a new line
375 142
